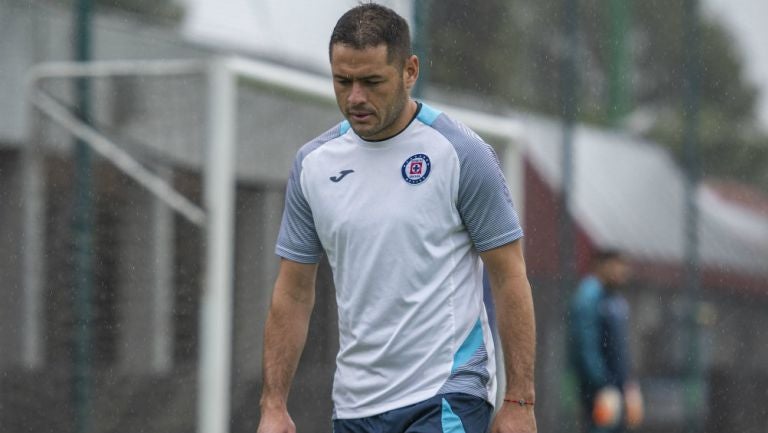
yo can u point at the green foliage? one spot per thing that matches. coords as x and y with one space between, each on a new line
513 50
482 49
154 9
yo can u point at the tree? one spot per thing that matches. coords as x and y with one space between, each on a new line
155 10
512 50
729 141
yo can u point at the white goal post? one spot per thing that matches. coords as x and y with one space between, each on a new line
215 216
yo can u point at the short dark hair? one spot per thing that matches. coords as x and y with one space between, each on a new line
370 25
603 255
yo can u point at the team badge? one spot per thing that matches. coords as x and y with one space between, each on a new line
416 169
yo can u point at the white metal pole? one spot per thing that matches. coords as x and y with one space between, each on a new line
514 171
33 239
163 228
216 304
117 156
33 259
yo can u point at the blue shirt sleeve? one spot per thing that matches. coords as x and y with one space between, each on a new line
586 349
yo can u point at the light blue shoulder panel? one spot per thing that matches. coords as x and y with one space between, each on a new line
428 115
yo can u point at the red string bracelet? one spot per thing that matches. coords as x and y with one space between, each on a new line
520 402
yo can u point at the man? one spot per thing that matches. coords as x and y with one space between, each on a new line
598 346
404 201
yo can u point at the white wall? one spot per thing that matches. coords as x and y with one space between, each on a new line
293 31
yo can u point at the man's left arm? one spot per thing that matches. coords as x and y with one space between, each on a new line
517 331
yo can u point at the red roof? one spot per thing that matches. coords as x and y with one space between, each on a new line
628 194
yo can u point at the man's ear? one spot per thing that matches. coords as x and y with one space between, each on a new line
411 71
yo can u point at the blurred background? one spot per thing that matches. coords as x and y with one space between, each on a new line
145 146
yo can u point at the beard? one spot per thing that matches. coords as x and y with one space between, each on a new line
391 114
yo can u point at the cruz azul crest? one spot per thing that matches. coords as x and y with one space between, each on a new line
416 169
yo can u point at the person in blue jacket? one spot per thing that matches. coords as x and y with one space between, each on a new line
598 346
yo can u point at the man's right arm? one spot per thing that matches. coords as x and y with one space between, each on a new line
284 337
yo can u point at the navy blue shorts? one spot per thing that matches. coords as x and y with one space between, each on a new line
444 413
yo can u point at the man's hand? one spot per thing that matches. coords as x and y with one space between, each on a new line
513 418
276 421
607 410
633 402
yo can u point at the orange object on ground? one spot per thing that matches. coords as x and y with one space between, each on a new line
608 407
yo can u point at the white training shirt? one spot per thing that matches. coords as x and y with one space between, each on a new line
402 221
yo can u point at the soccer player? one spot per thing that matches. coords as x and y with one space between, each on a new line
407 204
598 347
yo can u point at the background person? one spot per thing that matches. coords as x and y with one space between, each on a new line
599 349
